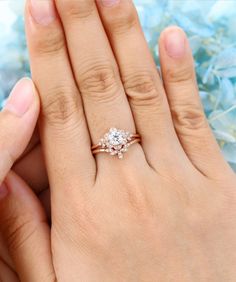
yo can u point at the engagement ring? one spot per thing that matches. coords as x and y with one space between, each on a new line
116 142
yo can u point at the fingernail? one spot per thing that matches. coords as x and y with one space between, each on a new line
109 3
175 43
43 11
21 97
3 191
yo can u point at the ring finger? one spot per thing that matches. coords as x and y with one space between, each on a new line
142 84
95 69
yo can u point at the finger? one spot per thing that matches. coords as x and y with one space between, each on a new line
95 70
7 274
141 81
25 231
45 199
34 141
17 123
190 122
4 254
32 170
62 123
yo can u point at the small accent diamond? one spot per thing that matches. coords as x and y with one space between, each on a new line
116 142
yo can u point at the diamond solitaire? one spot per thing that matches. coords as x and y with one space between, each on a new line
116 142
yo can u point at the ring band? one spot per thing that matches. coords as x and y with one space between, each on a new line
116 142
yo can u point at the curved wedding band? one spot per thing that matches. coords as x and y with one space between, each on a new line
116 142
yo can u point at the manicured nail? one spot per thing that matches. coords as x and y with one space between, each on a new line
21 97
175 43
43 11
109 3
3 191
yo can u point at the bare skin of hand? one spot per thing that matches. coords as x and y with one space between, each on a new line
30 166
166 212
30 169
17 122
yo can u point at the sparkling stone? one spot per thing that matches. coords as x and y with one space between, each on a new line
115 137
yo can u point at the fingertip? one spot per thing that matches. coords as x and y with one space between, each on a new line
43 12
22 98
16 185
27 80
168 30
17 123
172 28
22 196
173 41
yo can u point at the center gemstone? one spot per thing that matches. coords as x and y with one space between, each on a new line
116 138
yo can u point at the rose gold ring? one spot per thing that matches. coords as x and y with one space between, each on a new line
116 142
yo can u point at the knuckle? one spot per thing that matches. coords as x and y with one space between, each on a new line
79 9
60 105
51 43
123 21
98 82
184 74
189 116
141 89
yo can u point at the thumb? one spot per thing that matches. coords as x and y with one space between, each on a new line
25 231
17 123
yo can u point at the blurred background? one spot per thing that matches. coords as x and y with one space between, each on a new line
211 27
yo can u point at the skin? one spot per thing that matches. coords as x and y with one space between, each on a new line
12 145
36 178
166 212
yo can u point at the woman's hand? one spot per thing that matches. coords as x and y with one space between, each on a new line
31 168
166 212
17 123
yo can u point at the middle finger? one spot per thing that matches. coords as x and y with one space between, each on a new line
95 69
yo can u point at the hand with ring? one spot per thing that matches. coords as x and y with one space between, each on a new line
139 188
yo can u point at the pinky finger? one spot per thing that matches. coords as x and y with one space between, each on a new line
25 231
188 116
